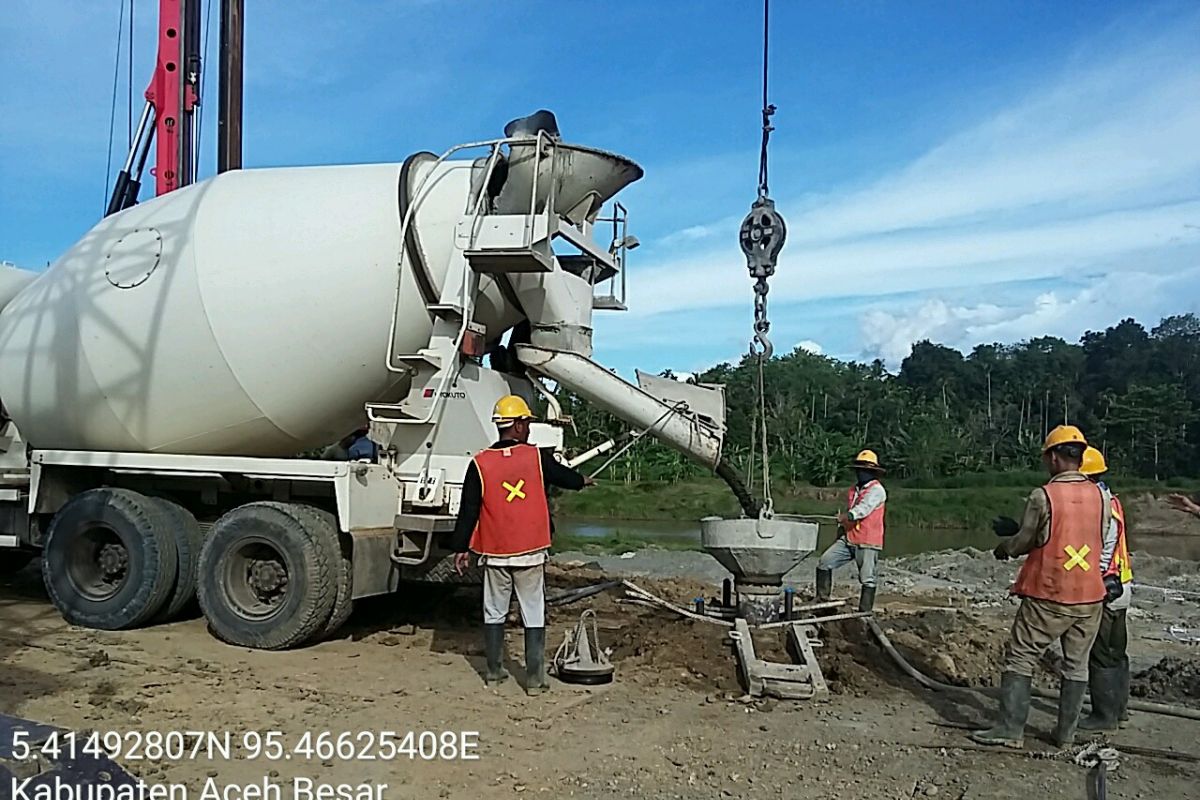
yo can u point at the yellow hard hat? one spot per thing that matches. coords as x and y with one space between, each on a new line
866 459
511 408
1093 462
1063 434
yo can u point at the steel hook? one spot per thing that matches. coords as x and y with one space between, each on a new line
761 346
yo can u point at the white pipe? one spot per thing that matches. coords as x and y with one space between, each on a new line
588 455
608 391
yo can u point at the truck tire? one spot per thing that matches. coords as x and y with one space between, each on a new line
267 579
325 524
109 560
188 540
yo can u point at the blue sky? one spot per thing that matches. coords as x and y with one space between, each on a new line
964 172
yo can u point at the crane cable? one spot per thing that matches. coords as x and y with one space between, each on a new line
768 507
203 91
768 110
112 111
761 237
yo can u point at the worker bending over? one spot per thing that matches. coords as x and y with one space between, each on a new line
1061 586
860 538
504 516
1108 663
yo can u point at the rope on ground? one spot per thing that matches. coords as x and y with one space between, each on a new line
929 683
814 620
1166 590
639 591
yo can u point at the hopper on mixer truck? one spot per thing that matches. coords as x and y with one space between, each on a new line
160 376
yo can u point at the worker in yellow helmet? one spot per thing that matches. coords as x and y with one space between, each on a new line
1061 585
504 517
1108 663
860 538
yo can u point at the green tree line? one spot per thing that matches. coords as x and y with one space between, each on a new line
1135 393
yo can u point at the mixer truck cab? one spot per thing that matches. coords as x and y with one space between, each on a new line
162 375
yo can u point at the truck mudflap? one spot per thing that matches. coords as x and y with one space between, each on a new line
30 757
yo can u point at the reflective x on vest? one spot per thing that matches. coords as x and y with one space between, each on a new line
1060 570
514 516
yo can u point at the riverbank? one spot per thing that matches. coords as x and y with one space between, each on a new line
959 508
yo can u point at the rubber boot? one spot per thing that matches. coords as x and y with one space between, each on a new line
536 681
866 598
1009 730
1104 685
824 585
493 648
1070 701
1123 694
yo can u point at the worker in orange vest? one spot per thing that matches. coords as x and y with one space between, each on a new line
1108 664
504 517
861 532
1061 585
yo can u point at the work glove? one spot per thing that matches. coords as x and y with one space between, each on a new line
1001 553
1005 526
1113 588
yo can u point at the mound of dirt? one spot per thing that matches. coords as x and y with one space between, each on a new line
1151 514
955 648
1172 680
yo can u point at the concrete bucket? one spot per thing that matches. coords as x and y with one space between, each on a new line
758 552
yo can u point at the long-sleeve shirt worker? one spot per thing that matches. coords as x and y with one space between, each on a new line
553 474
1035 523
867 501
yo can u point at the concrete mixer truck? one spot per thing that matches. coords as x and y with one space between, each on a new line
159 379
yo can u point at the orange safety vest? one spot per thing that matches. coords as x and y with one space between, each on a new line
868 531
514 517
1120 560
1066 568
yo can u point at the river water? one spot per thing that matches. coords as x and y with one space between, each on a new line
899 541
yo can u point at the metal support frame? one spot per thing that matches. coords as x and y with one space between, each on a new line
174 91
786 681
169 121
229 121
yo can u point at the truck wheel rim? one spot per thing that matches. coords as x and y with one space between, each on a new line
257 579
98 562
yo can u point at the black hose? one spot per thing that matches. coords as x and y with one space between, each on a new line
930 683
571 595
750 506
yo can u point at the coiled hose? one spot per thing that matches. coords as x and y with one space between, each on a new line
938 686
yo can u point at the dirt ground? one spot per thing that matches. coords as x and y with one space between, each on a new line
674 724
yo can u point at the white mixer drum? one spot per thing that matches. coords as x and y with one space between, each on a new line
248 314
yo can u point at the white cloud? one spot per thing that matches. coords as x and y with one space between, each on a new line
1103 301
1095 175
809 346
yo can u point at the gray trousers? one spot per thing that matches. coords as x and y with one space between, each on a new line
841 552
529 583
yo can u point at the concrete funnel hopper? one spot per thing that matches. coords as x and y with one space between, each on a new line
759 552
582 178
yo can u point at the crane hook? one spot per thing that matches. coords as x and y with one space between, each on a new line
762 236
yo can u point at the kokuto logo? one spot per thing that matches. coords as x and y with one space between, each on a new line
447 395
